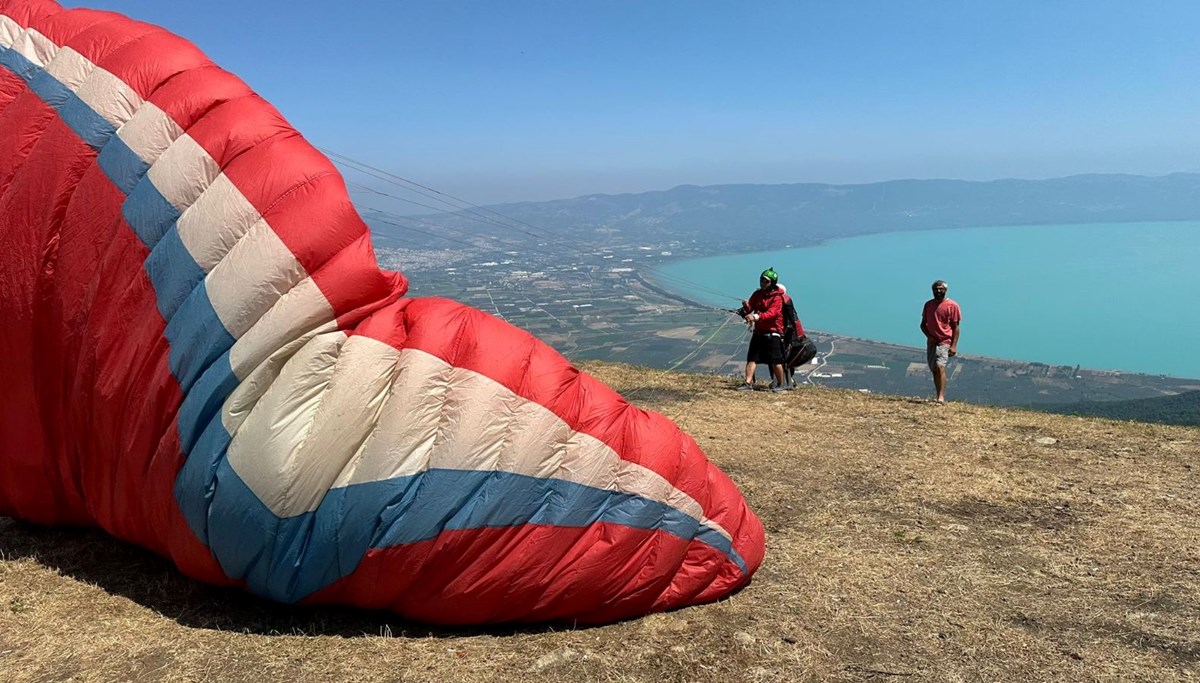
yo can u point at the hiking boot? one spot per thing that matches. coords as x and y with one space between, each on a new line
746 387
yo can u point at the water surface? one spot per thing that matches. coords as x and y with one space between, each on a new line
1120 296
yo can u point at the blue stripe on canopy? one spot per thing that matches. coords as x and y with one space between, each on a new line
289 559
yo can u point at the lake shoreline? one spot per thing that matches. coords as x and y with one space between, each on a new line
917 351
872 287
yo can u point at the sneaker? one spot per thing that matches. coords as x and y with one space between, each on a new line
746 387
778 390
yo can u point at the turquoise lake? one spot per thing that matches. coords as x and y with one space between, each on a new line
1123 296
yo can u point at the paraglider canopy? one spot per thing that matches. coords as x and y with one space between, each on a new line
203 357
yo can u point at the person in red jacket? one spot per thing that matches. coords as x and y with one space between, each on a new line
764 311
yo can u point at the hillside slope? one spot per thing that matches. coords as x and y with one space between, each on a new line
906 541
1179 409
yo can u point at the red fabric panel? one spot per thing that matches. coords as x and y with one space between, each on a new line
66 288
465 576
354 285
23 120
115 383
238 126
120 47
304 200
25 238
133 396
189 96
92 33
10 87
27 11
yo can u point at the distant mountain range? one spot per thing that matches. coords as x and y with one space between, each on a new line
753 216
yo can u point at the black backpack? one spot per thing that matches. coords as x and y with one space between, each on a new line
801 352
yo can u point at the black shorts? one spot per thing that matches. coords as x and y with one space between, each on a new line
765 348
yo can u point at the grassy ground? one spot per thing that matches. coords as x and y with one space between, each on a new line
907 541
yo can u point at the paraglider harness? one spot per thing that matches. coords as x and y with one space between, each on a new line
797 350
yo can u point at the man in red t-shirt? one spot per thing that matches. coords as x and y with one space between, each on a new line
939 322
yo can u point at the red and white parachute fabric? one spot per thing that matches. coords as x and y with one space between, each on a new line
200 355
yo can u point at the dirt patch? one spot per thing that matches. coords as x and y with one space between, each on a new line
864 485
1051 515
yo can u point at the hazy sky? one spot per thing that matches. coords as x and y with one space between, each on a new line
504 100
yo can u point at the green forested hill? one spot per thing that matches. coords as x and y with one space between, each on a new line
1180 409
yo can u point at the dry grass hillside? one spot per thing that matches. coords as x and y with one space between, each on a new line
907 541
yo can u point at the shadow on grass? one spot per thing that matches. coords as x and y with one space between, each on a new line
658 396
92 556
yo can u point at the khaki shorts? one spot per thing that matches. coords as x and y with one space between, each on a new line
937 356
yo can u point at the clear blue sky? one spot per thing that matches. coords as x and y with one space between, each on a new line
505 100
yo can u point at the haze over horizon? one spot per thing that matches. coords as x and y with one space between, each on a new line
543 100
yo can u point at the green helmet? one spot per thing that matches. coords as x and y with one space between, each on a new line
770 274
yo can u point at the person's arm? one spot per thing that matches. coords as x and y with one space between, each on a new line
954 337
925 328
747 311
